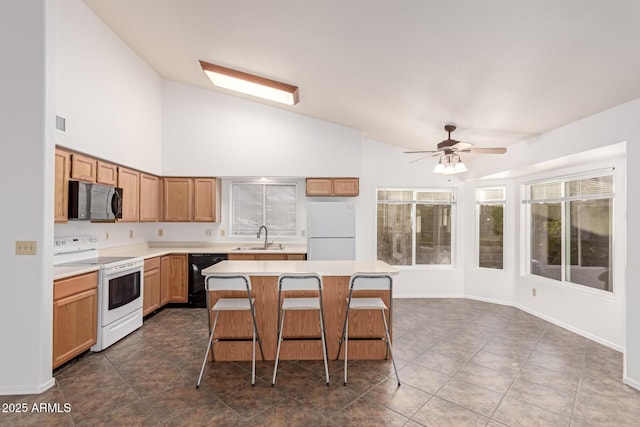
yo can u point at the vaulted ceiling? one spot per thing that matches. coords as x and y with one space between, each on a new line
501 70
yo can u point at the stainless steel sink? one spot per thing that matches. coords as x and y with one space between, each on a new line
260 248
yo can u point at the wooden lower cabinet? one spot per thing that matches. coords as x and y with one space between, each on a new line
75 316
174 279
152 285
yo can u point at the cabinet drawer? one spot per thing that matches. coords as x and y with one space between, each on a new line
72 285
151 263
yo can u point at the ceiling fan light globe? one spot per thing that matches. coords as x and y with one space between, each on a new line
449 170
439 168
460 167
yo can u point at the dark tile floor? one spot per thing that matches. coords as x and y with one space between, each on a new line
461 362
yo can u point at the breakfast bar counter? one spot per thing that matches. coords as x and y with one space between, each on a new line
335 283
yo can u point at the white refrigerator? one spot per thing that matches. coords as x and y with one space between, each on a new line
331 231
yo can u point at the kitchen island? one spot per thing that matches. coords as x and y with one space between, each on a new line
335 282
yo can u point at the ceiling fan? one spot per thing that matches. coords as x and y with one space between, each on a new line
449 151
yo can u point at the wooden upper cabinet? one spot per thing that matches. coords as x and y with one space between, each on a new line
128 180
177 199
349 187
83 168
338 187
319 187
149 198
191 199
205 206
107 173
61 197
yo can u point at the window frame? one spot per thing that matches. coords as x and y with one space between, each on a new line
264 184
478 204
526 202
414 202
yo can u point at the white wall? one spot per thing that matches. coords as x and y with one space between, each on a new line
385 165
632 354
26 108
488 284
206 133
111 98
560 151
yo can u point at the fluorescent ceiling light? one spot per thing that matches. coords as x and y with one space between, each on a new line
250 84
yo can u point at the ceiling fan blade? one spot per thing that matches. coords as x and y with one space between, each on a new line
420 152
459 145
421 158
484 150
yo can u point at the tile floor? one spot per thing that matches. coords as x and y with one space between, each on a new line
461 362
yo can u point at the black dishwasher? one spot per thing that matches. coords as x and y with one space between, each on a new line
197 263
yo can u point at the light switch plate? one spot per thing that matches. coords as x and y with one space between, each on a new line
26 247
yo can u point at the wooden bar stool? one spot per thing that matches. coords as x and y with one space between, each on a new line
300 282
361 282
231 282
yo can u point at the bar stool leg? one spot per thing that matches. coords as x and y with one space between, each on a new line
386 330
275 368
346 346
209 347
324 348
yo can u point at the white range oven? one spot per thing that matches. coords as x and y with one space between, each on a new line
120 285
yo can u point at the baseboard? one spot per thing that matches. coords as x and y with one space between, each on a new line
572 329
526 310
11 390
631 383
490 300
425 296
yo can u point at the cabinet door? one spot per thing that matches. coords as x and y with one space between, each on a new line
151 294
128 180
319 187
241 257
177 199
149 198
173 277
271 257
75 316
349 187
107 173
204 200
83 168
61 197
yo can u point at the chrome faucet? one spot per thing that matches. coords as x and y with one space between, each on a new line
266 235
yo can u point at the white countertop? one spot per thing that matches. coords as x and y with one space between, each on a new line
152 250
324 268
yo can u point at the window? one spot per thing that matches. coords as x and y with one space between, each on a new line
490 227
414 226
570 232
270 204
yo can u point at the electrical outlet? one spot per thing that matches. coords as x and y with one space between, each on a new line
222 232
534 292
25 247
131 234
207 232
160 232
302 233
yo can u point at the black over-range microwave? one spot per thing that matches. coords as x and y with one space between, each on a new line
95 202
